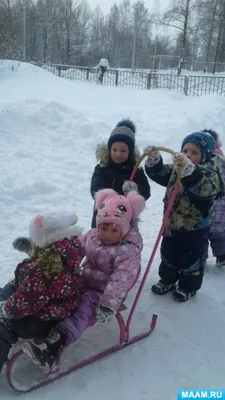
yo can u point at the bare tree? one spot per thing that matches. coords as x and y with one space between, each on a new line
126 34
9 30
84 31
207 21
220 41
69 13
45 24
113 23
179 16
98 36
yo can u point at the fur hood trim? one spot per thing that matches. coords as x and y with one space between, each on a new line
102 153
59 234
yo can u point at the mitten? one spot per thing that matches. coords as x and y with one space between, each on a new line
187 165
103 314
128 186
3 313
153 156
23 245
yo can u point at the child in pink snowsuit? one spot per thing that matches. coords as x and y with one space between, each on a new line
113 260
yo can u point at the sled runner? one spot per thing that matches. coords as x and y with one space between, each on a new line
31 377
23 376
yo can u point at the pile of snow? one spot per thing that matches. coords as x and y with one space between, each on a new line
10 69
49 131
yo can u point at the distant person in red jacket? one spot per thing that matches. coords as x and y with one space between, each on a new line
47 286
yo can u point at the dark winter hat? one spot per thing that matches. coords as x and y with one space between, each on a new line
204 141
123 132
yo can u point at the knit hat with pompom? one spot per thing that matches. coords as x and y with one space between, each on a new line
123 132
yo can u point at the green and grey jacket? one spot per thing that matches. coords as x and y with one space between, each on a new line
192 207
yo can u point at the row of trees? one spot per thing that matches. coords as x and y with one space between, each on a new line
69 32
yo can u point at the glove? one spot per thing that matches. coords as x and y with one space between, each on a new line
103 314
23 245
153 156
187 166
128 186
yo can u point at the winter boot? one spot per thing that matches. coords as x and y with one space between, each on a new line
181 296
44 352
220 261
7 338
4 351
162 288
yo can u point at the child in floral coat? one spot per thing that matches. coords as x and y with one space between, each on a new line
113 261
47 286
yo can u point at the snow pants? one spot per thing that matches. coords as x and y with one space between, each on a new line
182 258
217 243
75 325
13 329
217 229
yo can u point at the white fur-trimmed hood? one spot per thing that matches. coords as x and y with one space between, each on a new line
102 153
57 235
51 227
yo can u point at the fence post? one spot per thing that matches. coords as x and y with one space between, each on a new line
117 77
149 81
87 74
186 82
59 70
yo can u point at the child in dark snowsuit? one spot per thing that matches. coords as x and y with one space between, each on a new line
117 159
217 229
47 286
188 226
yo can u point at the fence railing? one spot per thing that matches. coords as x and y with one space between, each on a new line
198 85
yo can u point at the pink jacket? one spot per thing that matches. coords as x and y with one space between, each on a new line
112 269
218 150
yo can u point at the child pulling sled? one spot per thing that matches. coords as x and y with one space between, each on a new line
182 269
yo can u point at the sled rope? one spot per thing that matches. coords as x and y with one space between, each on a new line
164 222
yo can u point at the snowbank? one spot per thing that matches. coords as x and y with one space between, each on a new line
10 69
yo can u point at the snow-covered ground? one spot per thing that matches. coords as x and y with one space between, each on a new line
49 130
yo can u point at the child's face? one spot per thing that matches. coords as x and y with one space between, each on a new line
192 152
109 234
119 152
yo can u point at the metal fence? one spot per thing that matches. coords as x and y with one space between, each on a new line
198 85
